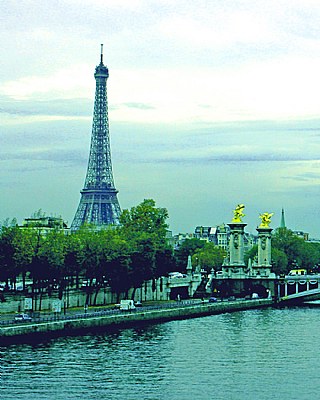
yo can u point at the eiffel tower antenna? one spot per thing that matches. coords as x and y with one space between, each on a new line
99 203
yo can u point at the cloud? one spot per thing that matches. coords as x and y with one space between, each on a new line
64 83
53 107
306 177
57 156
140 106
218 29
236 159
219 98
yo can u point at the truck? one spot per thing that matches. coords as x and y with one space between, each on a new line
127 305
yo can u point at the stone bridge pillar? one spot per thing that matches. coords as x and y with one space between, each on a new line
236 244
264 247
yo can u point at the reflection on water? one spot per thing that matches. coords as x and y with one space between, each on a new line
256 354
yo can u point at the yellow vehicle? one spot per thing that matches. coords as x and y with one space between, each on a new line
301 271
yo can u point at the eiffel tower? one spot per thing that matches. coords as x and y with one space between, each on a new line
99 203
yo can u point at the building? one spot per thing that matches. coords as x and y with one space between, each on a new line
179 238
45 224
301 235
220 236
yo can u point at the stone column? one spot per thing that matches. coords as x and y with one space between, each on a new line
264 247
263 266
236 244
189 266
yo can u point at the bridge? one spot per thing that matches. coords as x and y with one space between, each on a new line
299 288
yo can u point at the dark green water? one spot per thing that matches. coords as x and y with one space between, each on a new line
256 354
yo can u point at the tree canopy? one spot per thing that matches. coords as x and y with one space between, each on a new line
122 257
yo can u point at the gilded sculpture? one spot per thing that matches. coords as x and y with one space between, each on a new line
265 220
238 213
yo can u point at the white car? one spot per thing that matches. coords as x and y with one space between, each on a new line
22 318
175 275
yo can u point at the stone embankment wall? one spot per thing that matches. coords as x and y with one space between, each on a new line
40 330
153 290
77 298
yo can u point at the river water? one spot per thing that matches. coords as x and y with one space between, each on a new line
253 354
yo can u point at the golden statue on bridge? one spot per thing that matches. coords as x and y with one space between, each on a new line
238 213
265 220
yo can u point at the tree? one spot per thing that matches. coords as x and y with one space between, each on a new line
297 251
72 263
144 228
25 243
279 261
142 264
251 254
146 220
52 253
278 257
7 253
164 262
209 257
187 248
118 270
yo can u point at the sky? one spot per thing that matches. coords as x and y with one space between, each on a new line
212 103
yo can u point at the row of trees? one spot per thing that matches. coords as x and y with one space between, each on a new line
124 257
121 257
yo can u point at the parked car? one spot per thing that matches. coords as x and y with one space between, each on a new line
175 275
213 300
22 318
138 304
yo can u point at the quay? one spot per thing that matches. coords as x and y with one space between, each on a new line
101 322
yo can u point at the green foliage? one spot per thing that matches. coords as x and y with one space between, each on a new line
118 271
8 223
38 214
209 257
164 262
144 228
251 254
145 221
187 247
127 255
279 261
123 256
298 252
7 253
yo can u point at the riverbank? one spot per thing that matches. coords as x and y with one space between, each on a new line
90 323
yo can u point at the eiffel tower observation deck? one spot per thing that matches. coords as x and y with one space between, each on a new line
99 203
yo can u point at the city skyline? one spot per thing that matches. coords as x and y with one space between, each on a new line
211 104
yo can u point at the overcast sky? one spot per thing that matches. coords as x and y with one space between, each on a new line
211 103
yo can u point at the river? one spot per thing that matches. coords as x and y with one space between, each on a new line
253 354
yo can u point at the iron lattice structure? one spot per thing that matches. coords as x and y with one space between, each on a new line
99 203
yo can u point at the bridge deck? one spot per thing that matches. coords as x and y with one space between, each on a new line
305 295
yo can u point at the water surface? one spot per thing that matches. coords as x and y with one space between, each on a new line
253 354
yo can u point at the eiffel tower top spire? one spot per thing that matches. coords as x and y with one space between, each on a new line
99 204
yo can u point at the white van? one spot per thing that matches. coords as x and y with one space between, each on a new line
126 305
